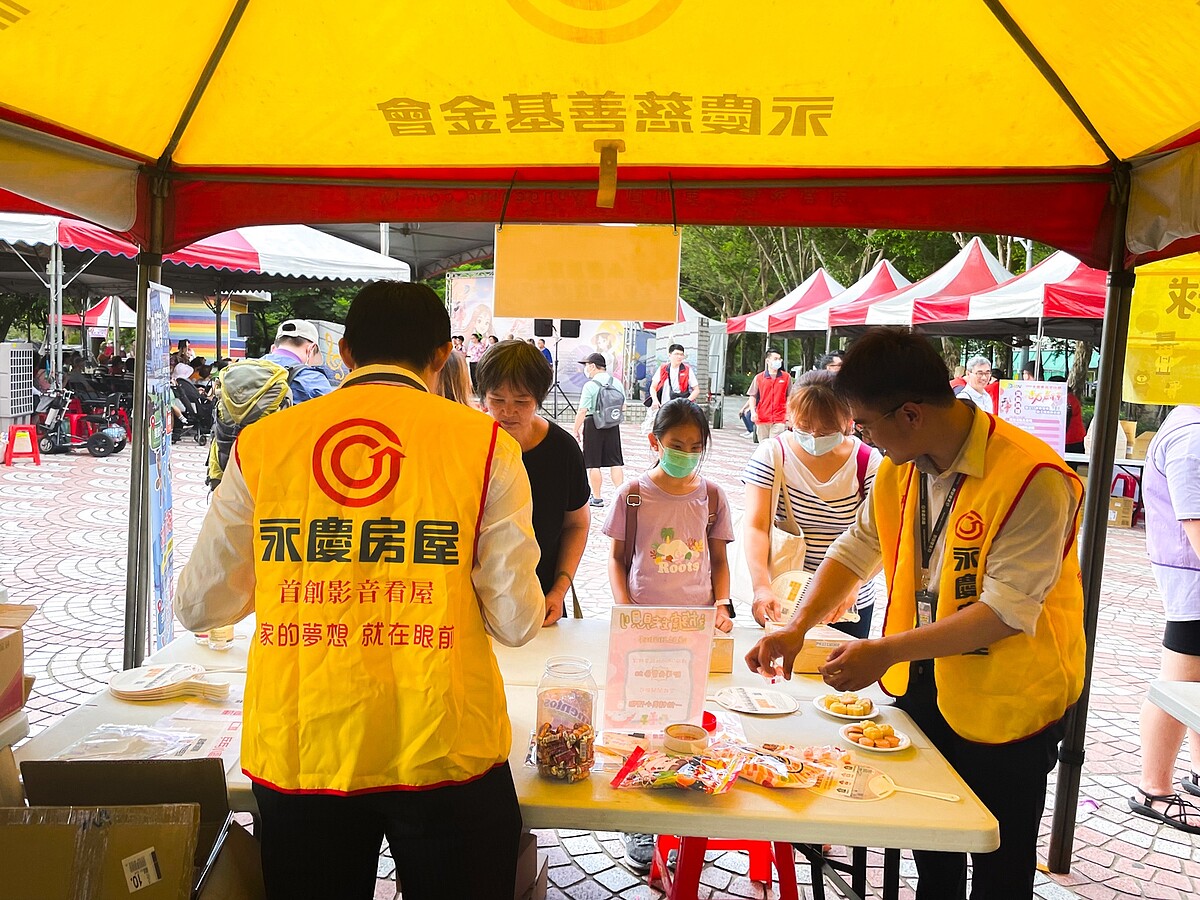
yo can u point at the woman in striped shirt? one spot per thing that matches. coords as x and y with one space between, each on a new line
827 473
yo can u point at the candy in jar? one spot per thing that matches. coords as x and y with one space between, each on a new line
565 740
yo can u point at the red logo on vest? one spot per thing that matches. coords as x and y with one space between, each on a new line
969 527
357 462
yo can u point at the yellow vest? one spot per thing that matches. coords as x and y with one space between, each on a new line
1020 684
370 668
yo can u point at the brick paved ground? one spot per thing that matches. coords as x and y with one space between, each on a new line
62 547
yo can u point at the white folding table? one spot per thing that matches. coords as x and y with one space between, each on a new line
748 811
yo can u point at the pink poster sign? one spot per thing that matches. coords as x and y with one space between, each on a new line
657 666
1038 407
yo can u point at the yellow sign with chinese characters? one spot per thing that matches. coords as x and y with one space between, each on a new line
1163 362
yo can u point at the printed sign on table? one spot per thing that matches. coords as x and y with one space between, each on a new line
1038 407
657 666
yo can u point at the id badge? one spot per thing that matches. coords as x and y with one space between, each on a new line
925 606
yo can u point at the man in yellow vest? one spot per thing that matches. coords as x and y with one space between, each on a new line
379 534
973 522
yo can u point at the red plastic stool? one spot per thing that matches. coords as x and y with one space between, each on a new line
29 432
685 883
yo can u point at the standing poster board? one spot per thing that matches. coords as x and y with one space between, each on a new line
471 298
157 345
1038 407
657 666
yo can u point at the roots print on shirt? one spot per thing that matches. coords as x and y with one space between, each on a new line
673 554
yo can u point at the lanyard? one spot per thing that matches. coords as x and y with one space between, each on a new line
929 540
392 377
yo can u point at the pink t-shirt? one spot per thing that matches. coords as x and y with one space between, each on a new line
671 564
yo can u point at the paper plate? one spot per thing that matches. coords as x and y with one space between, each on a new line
823 708
756 701
904 744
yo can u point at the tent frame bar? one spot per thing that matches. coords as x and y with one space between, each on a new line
1096 177
1093 532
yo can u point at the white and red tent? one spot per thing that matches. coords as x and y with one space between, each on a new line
1060 297
816 288
109 312
286 251
684 312
882 279
973 270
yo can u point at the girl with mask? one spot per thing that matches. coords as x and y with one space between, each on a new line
826 475
669 531
677 521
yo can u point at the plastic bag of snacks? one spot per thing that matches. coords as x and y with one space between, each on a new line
710 772
788 766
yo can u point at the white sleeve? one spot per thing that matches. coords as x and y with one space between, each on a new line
505 569
1026 556
216 586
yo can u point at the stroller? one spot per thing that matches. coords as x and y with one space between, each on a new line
194 410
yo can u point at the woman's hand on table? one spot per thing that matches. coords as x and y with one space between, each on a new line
556 602
854 665
724 623
774 654
766 606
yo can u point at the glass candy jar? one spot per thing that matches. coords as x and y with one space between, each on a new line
566 698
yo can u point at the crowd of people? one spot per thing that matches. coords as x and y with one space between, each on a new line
374 705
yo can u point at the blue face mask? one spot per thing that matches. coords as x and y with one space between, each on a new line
677 463
818 446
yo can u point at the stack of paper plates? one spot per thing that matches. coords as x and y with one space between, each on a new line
165 682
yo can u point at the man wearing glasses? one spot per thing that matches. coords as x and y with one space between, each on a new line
979 374
973 522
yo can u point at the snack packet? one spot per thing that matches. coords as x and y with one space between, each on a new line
788 766
709 772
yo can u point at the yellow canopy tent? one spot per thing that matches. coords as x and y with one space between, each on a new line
1075 123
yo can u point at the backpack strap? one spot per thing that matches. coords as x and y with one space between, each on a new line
713 498
632 501
863 459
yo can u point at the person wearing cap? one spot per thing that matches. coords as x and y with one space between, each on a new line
601 446
297 349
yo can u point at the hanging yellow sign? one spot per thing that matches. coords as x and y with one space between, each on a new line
1163 361
587 272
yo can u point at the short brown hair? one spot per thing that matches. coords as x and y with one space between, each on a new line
514 364
815 402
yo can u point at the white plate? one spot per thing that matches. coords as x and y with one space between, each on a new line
823 708
757 701
905 743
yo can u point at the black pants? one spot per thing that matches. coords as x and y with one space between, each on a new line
458 841
1010 779
861 628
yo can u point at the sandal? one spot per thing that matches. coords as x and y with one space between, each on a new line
1191 784
1176 812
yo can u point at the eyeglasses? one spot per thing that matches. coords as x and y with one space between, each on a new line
864 428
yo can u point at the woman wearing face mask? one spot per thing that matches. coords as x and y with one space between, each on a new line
826 474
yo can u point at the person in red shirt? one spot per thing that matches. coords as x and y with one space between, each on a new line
1075 429
768 398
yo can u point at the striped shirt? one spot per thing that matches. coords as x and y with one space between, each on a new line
823 509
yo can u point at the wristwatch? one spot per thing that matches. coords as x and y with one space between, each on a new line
728 604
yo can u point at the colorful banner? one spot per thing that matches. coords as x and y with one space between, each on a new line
1038 407
471 300
1162 364
657 666
328 335
157 346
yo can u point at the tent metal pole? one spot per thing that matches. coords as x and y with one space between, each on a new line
1094 530
137 564
1037 353
56 304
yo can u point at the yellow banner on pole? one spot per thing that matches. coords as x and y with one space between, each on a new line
622 272
1163 361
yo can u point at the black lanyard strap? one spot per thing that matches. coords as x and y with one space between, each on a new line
929 540
391 377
